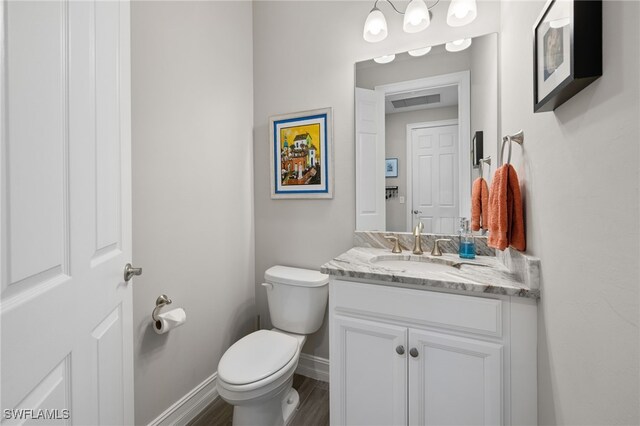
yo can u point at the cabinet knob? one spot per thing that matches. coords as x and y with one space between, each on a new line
413 352
400 350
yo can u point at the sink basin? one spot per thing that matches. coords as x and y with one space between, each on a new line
412 265
423 264
415 263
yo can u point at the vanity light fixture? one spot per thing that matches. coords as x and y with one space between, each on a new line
461 12
416 18
384 59
419 52
458 45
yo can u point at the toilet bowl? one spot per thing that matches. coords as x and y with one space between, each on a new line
255 374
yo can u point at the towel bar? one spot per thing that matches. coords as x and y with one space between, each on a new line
517 138
482 161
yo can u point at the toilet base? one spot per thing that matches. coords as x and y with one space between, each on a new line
276 411
289 405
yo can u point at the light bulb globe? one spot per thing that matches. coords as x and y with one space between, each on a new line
375 27
419 52
416 17
384 59
458 45
461 12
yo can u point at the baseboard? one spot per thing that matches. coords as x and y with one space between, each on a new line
189 406
313 366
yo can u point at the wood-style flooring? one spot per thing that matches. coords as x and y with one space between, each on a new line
312 411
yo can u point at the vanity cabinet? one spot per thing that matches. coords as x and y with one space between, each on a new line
453 380
402 356
368 374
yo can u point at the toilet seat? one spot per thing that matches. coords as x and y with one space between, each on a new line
260 390
256 357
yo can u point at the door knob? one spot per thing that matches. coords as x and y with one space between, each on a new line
130 271
413 352
400 350
417 211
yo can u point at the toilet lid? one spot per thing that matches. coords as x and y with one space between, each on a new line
256 356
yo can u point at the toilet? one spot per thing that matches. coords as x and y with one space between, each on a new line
255 374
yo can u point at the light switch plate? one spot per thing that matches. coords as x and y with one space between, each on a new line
401 199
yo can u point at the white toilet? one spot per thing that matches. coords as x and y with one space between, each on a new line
256 373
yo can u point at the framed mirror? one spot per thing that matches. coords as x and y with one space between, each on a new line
438 115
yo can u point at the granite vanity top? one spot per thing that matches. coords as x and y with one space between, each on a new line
484 274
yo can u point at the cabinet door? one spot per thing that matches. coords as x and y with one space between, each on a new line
368 373
454 380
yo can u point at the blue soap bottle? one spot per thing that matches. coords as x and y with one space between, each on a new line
467 249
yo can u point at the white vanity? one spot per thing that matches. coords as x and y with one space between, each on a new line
413 347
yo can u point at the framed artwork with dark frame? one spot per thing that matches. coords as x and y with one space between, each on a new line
567 51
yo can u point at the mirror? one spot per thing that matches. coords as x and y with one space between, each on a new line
422 124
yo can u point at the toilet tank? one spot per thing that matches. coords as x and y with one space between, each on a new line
297 298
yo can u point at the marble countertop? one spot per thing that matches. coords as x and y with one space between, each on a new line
484 274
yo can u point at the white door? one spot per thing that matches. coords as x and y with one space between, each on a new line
370 186
454 380
368 373
66 311
435 178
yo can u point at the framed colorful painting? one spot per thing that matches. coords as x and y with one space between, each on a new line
302 154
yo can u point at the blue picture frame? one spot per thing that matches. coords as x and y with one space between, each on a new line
302 155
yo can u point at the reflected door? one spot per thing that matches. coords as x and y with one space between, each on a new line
435 193
65 310
370 139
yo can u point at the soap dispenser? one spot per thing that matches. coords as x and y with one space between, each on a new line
467 248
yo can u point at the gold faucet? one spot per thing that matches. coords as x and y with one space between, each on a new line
417 245
396 245
436 248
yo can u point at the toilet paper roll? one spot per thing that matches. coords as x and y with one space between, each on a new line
170 320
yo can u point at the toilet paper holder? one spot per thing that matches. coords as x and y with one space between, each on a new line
161 301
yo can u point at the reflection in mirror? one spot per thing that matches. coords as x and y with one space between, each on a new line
438 115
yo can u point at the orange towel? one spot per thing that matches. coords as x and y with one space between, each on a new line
506 219
479 205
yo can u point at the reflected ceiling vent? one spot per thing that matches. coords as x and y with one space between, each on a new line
427 98
416 101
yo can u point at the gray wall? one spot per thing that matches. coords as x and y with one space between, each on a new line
396 146
192 103
580 176
324 41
